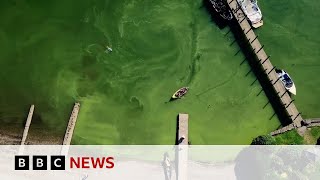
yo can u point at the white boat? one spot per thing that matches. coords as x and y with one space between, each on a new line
286 81
220 7
252 11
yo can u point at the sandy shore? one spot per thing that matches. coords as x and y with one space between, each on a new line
13 136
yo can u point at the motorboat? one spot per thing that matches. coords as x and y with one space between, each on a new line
221 8
179 93
252 11
286 81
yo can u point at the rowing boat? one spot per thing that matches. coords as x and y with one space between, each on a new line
179 93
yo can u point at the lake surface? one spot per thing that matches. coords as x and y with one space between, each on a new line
52 54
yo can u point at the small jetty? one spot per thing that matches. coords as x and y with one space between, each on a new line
26 130
27 126
182 147
264 61
70 128
71 124
183 129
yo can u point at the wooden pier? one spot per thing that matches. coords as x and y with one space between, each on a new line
266 66
183 129
306 123
70 128
27 126
182 147
72 123
283 130
26 130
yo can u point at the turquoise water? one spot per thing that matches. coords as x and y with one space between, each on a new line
52 54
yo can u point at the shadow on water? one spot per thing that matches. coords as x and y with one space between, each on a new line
215 17
177 130
256 68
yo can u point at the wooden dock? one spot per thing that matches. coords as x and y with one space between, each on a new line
306 123
72 123
26 130
70 128
182 147
283 130
265 63
183 129
27 125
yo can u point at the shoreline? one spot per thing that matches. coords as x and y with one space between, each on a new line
12 136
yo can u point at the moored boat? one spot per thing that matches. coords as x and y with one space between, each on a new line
221 8
286 81
252 11
181 92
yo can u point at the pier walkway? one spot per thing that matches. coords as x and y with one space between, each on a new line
182 147
265 63
183 129
27 126
71 124
306 123
70 128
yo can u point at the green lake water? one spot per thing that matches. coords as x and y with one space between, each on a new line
52 53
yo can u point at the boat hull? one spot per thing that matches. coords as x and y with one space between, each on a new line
252 12
258 24
221 8
292 89
176 96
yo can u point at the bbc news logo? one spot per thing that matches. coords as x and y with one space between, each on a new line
39 163
59 162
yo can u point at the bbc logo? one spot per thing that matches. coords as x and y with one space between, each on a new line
39 163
